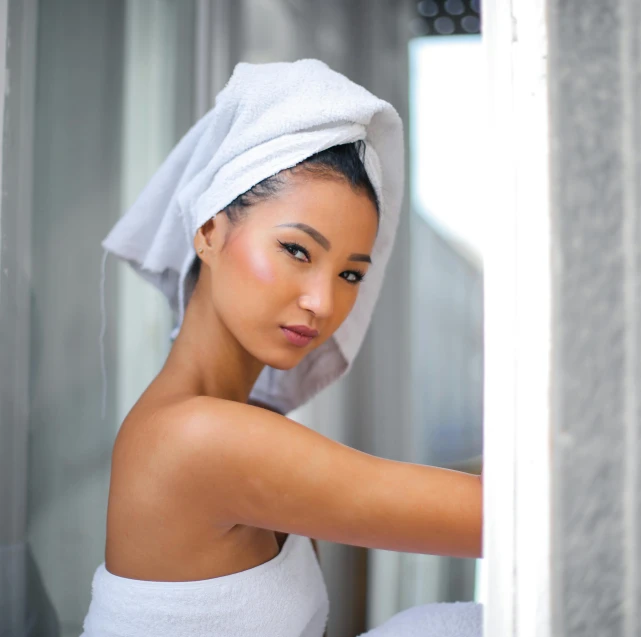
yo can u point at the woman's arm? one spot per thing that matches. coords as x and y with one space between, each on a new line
256 403
258 468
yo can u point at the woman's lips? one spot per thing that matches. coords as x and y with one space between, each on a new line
299 335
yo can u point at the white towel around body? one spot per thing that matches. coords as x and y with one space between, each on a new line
459 619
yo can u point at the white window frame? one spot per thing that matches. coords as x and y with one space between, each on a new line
517 569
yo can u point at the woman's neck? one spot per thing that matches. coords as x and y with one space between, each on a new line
206 359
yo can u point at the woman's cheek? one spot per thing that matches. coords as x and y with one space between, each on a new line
249 257
261 266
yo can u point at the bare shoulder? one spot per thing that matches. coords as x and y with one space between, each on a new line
169 515
244 465
256 467
205 449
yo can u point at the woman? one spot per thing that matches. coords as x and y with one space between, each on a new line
212 499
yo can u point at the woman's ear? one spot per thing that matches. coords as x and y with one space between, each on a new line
203 238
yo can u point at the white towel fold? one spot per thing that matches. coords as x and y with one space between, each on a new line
460 619
268 118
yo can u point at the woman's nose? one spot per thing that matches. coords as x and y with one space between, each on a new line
318 298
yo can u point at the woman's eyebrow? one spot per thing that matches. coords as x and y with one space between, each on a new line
323 241
314 234
360 257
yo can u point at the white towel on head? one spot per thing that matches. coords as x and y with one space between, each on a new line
269 117
460 619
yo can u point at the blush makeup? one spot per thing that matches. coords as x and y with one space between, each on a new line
260 265
251 254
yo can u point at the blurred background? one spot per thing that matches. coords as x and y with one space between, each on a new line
96 95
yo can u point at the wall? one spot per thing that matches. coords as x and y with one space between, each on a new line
595 142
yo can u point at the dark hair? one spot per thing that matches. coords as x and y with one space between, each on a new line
344 161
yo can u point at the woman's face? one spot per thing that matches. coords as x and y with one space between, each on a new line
287 275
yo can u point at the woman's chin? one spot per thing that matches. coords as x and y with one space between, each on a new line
284 360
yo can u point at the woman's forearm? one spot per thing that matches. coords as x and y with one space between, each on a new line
432 510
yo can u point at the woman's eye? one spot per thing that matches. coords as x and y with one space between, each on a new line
297 251
301 254
353 276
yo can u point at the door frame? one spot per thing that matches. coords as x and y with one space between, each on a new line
518 415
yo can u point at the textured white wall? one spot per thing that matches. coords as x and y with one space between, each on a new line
595 133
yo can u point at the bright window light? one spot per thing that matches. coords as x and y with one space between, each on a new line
448 122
